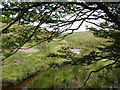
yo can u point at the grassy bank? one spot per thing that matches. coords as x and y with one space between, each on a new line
21 65
73 77
70 76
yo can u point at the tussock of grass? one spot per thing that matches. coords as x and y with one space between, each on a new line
86 41
20 66
73 77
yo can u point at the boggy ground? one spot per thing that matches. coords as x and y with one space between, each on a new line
66 76
27 62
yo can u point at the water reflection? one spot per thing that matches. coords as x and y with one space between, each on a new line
76 51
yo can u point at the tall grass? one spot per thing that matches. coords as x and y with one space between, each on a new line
73 76
86 41
21 66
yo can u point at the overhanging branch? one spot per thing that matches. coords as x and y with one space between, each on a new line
95 71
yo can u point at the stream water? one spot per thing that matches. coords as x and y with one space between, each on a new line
22 85
27 81
76 51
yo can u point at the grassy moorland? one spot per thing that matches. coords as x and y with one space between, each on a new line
70 76
20 66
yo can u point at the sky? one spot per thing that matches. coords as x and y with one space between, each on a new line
81 29
1 6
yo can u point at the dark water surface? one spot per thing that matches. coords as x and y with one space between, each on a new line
22 85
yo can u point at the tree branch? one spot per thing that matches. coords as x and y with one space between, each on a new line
109 14
53 9
21 11
17 18
25 9
95 71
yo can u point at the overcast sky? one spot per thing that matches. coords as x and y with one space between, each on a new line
82 28
0 6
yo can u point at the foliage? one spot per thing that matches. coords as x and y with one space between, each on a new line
58 70
111 51
60 17
55 15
